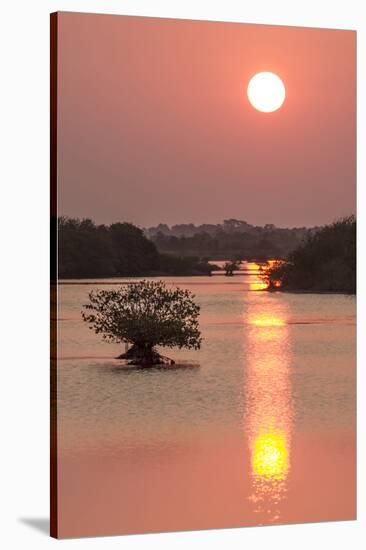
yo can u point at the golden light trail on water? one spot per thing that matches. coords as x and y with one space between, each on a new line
258 286
268 321
270 456
268 418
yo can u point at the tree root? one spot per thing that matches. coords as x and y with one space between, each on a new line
145 357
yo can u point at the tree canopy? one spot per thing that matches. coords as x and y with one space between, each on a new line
121 249
325 261
230 239
145 314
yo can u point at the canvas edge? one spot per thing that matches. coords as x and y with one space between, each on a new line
53 274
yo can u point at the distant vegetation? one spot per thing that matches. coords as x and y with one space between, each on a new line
325 261
121 249
230 267
316 259
145 314
233 239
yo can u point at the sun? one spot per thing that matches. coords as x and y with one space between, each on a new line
266 92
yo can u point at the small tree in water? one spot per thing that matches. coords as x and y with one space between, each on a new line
231 266
145 314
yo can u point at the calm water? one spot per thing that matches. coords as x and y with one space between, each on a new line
258 427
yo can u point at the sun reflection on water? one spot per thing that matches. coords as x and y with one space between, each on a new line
258 285
268 418
267 320
270 456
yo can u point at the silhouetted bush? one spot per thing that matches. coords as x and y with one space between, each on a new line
145 314
326 261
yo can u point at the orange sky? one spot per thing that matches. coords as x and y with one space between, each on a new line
155 125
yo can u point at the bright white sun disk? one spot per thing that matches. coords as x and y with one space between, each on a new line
266 92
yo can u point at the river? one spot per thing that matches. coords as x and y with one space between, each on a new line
256 428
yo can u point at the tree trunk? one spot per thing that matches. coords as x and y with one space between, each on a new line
145 355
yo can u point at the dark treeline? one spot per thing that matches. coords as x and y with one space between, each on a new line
121 249
318 259
233 239
325 261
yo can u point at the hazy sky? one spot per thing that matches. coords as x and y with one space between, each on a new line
155 124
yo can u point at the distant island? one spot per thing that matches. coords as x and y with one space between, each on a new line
307 259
